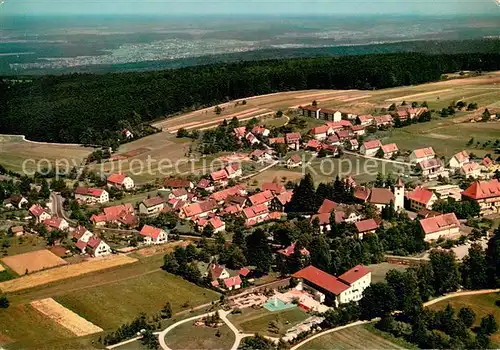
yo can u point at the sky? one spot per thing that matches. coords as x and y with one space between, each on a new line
238 7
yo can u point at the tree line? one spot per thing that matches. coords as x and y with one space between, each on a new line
91 107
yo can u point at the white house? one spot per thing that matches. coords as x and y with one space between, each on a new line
97 247
320 133
334 290
233 282
432 168
446 226
390 150
152 206
471 169
120 181
459 160
370 148
216 272
56 223
421 154
91 195
82 234
252 139
421 198
294 161
15 201
153 235
233 170
39 213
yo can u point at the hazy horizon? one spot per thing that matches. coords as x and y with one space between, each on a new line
255 7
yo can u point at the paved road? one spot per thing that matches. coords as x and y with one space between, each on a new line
58 209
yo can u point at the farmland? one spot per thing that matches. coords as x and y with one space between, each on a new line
359 337
32 261
190 337
482 305
110 305
257 321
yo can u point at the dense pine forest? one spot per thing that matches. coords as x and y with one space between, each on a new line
88 108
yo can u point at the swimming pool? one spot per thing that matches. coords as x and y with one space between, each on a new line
275 304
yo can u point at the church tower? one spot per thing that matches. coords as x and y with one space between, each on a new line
399 195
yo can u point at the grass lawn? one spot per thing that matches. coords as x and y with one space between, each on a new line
188 336
257 321
358 337
380 270
133 198
482 305
25 244
113 304
22 323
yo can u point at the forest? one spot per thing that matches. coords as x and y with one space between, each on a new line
89 108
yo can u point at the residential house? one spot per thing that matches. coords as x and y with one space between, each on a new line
390 150
205 185
15 201
221 196
323 221
198 210
97 247
240 201
252 139
421 198
370 148
82 234
153 235
365 120
91 195
280 201
422 154
432 168
220 177
310 111
471 169
445 226
320 133
333 290
330 114
215 223
313 145
173 183
152 206
274 187
179 194
353 144
343 135
264 198
120 181
127 133
233 282
56 223
331 150
233 170
293 140
459 160
358 130
340 125
216 272
17 231
379 197
291 249
447 191
240 132
487 163
294 161
333 140
486 194
278 140
327 207
383 120
365 227
262 156
39 213
347 213
255 214
260 130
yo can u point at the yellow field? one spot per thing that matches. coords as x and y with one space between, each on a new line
63 272
32 261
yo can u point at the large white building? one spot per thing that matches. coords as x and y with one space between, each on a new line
91 195
443 226
120 181
334 290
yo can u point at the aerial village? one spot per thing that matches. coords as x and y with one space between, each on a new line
225 206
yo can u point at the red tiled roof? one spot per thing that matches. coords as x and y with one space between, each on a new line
116 178
53 222
357 128
365 118
93 192
343 134
483 189
114 212
487 162
424 152
256 210
372 144
94 242
261 197
150 231
462 157
322 279
36 210
354 274
323 129
232 168
81 245
291 249
216 270
79 232
204 183
98 218
324 219
129 219
310 108
274 215
179 192
381 196
199 208
362 193
233 281
366 225
276 140
240 132
333 138
293 137
439 223
420 195
433 163
258 130
284 197
273 187
231 191
470 167
327 207
219 175
154 201
390 148
244 271
313 144
176 183
383 119
295 159
216 222
340 124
